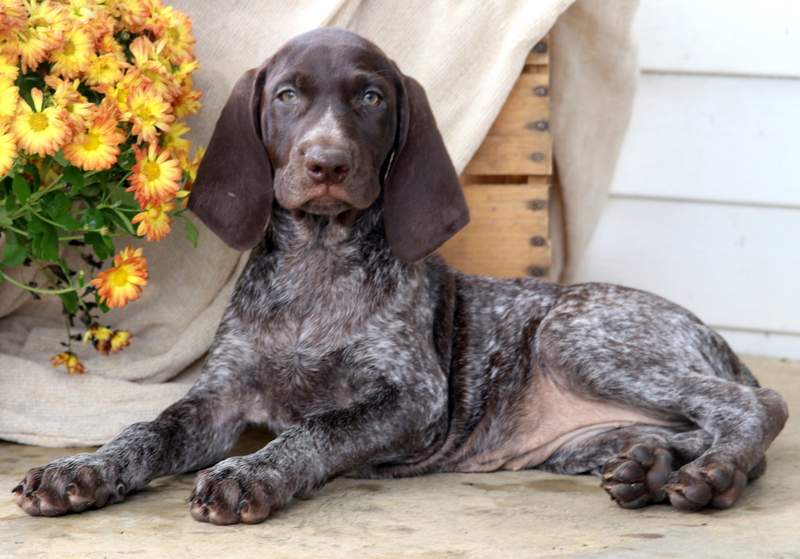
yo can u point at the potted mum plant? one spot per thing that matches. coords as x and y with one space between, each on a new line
92 152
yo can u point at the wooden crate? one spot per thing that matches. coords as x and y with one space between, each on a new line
507 184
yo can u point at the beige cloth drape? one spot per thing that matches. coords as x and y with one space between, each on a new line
468 56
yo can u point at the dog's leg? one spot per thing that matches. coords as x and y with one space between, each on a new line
249 488
634 461
641 351
196 431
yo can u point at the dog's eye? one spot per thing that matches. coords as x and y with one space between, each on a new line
288 96
372 99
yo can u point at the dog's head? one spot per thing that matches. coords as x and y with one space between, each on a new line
323 127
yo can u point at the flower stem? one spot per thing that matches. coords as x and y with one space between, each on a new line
37 290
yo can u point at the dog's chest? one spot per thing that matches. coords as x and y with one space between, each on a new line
323 336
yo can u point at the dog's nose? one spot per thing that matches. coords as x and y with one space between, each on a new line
327 165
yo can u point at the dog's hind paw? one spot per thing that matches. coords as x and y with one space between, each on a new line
714 484
636 476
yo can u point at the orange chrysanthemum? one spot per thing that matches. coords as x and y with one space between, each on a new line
120 339
174 141
187 102
38 130
77 109
154 221
44 31
148 113
105 69
70 361
96 148
9 96
73 57
8 151
122 283
155 176
175 29
12 16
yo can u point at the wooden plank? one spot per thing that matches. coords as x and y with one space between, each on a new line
519 141
713 138
508 233
732 266
540 54
757 38
530 155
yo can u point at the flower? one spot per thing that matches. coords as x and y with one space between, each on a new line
8 66
9 96
96 148
123 282
120 340
148 113
105 69
188 100
174 141
38 130
154 221
155 176
8 151
77 108
70 361
44 31
100 336
12 15
74 55
175 28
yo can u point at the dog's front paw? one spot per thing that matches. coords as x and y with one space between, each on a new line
236 490
70 484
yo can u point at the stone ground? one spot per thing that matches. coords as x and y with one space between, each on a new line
506 514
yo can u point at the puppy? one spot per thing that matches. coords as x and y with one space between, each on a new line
370 357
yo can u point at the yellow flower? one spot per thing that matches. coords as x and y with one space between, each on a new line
8 66
9 95
100 336
12 15
133 13
152 68
147 113
188 100
174 141
73 57
105 69
97 148
123 282
44 31
38 130
154 221
120 340
193 165
77 109
175 29
155 176
70 361
8 151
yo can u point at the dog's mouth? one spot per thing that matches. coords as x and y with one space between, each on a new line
325 205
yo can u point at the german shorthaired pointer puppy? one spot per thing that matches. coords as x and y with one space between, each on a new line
370 357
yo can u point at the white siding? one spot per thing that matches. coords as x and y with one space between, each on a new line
705 208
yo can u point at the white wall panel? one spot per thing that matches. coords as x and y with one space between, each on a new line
734 267
712 138
722 36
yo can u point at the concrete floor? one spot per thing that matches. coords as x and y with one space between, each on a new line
509 514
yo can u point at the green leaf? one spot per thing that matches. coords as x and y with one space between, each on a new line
22 189
49 243
67 222
126 160
70 302
93 219
95 240
57 204
191 232
116 216
74 177
60 159
14 254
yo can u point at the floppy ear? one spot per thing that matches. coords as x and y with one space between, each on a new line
423 202
232 194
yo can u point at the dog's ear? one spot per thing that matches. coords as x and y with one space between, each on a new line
423 202
233 194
